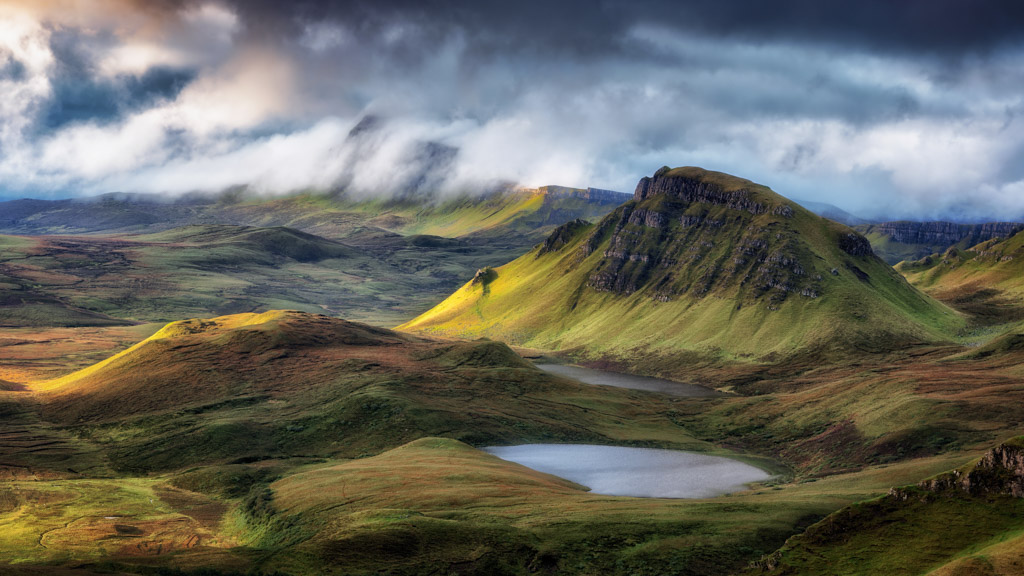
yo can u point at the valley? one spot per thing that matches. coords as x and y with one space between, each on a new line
221 392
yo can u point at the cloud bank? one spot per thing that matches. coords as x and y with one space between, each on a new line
907 109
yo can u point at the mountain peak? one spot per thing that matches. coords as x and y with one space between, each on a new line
693 184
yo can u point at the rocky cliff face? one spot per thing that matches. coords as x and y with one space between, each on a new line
945 233
694 189
562 236
688 231
591 194
1000 471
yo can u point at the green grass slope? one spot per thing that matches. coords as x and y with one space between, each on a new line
966 521
438 506
985 280
290 384
698 263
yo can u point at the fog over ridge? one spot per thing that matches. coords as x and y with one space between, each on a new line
901 111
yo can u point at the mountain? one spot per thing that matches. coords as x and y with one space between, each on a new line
903 240
412 203
985 280
832 212
699 262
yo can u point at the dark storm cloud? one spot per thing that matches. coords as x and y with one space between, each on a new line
81 94
896 108
593 27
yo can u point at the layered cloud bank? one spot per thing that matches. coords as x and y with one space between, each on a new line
886 109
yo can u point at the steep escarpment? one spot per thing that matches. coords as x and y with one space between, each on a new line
907 240
948 233
686 233
698 262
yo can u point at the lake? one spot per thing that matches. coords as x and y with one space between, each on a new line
618 380
645 472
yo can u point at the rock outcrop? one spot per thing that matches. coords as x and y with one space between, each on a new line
485 276
1000 471
910 241
690 231
855 245
562 235
591 194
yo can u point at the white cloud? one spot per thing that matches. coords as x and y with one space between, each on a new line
863 130
25 43
202 35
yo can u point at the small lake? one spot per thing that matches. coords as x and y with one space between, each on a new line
602 378
645 472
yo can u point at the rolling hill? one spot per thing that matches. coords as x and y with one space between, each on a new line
985 280
285 441
286 384
700 264
123 259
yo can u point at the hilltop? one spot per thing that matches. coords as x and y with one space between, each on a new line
698 263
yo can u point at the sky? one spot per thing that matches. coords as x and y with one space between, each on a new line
888 109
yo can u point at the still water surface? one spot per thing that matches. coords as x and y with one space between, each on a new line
602 378
622 471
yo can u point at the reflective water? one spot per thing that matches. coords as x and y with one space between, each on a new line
622 471
602 378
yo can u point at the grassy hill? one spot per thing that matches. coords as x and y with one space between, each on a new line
985 280
285 441
699 264
289 384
